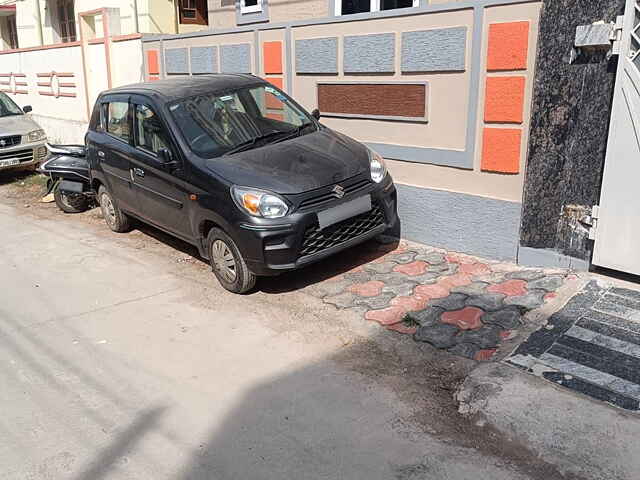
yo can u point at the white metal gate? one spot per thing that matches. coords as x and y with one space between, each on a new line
617 233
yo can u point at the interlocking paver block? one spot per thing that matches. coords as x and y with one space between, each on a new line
412 269
467 350
403 290
383 267
386 316
456 280
376 303
526 275
428 316
440 335
511 288
488 301
455 301
432 291
410 304
485 355
508 318
474 268
487 336
466 319
368 289
531 300
402 258
475 288
547 283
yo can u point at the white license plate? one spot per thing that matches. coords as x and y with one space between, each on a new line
344 211
8 162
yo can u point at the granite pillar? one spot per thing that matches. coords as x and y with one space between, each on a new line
568 137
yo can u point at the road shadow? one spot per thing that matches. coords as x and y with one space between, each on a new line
327 268
12 176
373 411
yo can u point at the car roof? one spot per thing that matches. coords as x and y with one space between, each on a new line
175 88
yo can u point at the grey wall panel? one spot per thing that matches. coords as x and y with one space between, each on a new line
317 55
235 58
204 60
438 50
460 222
175 60
370 53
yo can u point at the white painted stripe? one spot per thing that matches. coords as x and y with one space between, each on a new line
605 341
592 375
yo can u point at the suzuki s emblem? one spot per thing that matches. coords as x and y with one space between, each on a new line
2 143
338 191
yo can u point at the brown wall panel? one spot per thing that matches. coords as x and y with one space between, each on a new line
400 100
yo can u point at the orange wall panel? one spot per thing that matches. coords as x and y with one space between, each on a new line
501 150
508 46
153 64
272 52
504 99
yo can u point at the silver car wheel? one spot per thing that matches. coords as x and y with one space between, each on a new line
108 211
223 260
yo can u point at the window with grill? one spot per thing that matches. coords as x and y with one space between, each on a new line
194 12
66 21
349 7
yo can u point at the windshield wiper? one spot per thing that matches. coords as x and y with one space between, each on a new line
295 132
246 145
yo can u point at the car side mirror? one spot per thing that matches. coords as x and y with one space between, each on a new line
166 158
27 109
316 114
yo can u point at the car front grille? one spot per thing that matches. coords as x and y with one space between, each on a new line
22 155
328 196
316 240
10 141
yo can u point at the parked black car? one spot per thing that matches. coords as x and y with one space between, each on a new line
234 166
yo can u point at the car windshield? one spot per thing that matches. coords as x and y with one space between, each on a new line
218 124
8 107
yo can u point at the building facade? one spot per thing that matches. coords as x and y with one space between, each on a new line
480 107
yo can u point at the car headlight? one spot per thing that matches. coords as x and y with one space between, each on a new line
259 203
378 167
36 135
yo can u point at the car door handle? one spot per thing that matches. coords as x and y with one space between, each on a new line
139 172
101 154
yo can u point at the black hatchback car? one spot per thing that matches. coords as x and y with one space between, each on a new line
234 166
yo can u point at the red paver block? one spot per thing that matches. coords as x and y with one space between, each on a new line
386 316
412 269
474 268
484 355
457 280
466 319
410 304
401 328
429 292
367 289
510 288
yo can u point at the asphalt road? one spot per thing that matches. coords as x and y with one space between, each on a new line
118 362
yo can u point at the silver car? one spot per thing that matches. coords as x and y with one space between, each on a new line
22 141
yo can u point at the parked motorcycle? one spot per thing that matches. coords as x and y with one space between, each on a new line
68 172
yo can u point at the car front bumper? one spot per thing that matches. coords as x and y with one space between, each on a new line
276 248
28 155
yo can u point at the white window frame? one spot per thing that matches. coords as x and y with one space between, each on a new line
374 6
250 9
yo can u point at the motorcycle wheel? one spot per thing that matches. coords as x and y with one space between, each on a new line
70 202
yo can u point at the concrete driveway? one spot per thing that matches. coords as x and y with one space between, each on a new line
122 358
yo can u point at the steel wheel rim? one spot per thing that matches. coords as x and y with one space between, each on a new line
223 260
108 211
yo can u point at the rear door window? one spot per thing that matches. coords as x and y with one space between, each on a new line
118 123
150 133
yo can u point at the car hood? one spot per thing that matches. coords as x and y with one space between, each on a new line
17 125
298 165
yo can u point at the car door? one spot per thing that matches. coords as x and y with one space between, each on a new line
160 188
112 147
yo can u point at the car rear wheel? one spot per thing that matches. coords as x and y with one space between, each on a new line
70 202
227 263
113 216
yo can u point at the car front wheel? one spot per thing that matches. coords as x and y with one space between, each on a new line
113 216
227 263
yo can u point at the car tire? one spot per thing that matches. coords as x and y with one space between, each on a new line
115 219
227 263
70 203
